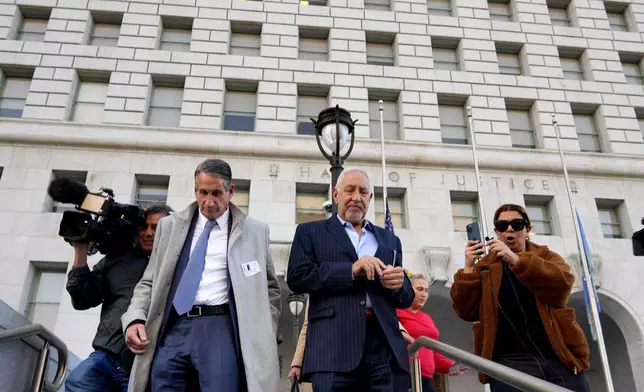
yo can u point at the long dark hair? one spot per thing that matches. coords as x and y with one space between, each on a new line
515 208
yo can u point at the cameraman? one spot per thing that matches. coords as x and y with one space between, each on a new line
110 283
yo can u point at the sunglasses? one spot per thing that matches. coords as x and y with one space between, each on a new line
517 225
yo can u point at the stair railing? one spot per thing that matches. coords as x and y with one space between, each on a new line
495 370
40 383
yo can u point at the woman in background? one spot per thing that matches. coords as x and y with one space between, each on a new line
418 323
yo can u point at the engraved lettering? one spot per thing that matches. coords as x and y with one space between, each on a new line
573 186
325 175
460 179
545 185
497 181
305 172
274 170
442 179
528 184
394 177
512 183
412 177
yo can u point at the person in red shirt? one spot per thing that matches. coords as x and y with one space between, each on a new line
418 323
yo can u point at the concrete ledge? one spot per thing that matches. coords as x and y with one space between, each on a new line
297 147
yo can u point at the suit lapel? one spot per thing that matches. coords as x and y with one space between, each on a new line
334 226
237 226
182 226
380 240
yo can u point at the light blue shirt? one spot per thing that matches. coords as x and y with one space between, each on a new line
366 244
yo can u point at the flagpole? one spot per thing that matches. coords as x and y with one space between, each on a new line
382 153
483 224
586 272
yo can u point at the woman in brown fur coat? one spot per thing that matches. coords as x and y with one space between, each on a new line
516 297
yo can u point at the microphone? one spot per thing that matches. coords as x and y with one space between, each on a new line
64 190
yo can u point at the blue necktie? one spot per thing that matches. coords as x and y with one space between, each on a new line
184 298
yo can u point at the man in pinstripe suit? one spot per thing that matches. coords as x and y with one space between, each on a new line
353 272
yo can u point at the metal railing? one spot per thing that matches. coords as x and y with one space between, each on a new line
497 371
40 383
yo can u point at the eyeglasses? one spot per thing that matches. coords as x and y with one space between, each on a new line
517 225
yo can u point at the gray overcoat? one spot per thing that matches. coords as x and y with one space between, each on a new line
257 297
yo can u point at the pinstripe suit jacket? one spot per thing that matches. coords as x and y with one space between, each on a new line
320 264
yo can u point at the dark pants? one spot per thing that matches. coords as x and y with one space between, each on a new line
428 384
197 351
551 370
376 372
97 373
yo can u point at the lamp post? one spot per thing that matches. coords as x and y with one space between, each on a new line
296 305
333 128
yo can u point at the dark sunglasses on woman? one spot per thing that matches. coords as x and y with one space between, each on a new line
517 225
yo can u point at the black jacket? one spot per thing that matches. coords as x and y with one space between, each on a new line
111 283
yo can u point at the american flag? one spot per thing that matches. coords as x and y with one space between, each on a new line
388 223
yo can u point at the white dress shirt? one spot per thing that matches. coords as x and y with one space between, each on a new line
213 288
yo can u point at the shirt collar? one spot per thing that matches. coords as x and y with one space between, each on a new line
367 224
222 221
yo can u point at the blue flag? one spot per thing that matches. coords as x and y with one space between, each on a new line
589 292
388 223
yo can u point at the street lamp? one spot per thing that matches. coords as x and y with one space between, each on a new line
333 128
296 305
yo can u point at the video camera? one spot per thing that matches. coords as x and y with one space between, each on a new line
109 227
638 242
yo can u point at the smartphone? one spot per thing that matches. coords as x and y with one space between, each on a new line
474 232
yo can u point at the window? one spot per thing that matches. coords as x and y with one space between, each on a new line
241 195
633 73
151 189
379 5
389 118
314 45
500 10
90 102
609 218
176 35
508 58
631 67
34 24
453 124
439 7
165 106
380 50
310 102
571 65
240 104
46 289
558 10
639 113
396 200
245 39
309 199
587 132
321 3
13 96
465 209
445 54
106 29
616 16
538 208
80 176
521 129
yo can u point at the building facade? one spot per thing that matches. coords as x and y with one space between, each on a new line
132 95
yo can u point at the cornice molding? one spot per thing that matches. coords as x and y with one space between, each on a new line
304 148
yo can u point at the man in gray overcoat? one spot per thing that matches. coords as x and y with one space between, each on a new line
204 315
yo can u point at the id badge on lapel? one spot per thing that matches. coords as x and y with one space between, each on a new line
251 268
